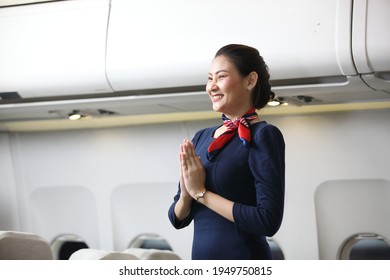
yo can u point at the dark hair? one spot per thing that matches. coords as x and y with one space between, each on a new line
247 59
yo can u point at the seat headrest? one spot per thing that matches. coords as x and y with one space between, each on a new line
16 245
96 254
153 254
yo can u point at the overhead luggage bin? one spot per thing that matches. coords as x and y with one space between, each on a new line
170 43
371 42
54 49
164 44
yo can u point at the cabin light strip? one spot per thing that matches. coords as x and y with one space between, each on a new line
118 121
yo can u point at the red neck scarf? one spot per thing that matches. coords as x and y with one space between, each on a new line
240 125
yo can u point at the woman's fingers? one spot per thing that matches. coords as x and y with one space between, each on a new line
183 163
189 153
188 158
192 173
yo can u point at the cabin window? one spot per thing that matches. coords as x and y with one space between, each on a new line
276 251
150 241
365 247
65 245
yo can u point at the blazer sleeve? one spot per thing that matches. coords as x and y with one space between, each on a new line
172 217
267 164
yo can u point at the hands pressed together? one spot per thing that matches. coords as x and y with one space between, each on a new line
192 173
192 183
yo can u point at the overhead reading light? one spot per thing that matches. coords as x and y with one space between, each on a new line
76 115
277 102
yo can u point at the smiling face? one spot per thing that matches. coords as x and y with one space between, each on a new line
229 92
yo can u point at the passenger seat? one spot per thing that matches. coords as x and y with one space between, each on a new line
96 254
152 254
15 245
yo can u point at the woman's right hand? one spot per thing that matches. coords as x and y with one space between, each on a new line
183 190
183 205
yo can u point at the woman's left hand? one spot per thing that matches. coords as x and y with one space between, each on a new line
192 169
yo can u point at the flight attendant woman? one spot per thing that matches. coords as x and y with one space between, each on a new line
233 176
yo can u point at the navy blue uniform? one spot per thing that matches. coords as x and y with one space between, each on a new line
253 178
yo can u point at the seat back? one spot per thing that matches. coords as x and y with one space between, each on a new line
96 254
16 245
365 246
152 254
150 241
64 245
276 251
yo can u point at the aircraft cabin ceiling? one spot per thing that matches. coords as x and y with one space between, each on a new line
117 61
